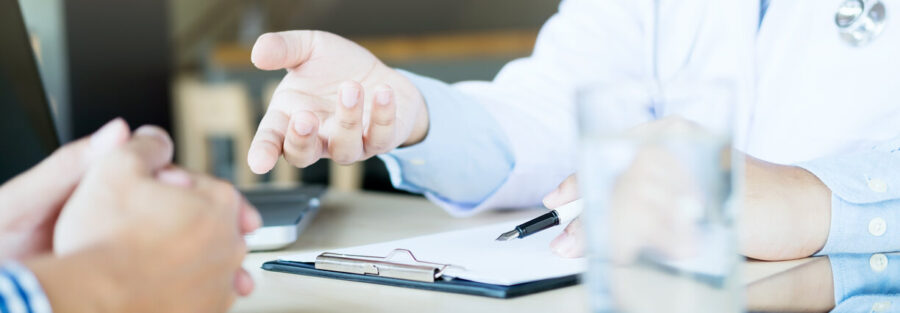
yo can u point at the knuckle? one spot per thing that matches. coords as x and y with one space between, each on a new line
344 158
348 124
300 161
269 134
378 146
386 119
298 145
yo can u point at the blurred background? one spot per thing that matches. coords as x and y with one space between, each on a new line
185 65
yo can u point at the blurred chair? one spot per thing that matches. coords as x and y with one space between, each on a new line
214 129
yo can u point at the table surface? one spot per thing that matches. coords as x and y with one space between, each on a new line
350 219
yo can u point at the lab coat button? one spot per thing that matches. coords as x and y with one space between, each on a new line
881 306
877 226
878 262
878 185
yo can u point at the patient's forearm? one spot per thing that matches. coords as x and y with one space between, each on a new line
806 288
786 212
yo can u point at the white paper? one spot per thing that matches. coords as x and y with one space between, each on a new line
477 256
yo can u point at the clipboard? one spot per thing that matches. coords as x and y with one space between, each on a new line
394 270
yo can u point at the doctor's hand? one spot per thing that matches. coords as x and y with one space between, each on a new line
153 238
337 101
641 202
644 204
571 242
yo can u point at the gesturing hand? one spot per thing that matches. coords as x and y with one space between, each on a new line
337 101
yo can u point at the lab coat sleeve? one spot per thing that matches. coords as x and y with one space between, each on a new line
865 204
531 106
861 284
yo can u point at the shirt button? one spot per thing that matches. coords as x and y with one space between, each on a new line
877 226
882 306
878 185
878 262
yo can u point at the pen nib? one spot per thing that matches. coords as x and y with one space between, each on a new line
508 235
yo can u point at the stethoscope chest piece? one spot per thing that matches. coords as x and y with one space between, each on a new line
860 21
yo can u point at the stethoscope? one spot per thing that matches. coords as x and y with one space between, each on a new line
860 21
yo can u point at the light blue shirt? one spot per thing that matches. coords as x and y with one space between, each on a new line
879 303
465 156
20 291
865 201
864 285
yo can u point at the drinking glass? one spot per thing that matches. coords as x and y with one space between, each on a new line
657 174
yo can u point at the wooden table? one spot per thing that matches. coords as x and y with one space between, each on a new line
349 219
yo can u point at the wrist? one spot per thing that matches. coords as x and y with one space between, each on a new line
786 211
79 282
421 123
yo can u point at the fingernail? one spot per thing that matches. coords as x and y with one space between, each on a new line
302 128
153 131
260 160
108 137
383 97
564 244
349 95
175 177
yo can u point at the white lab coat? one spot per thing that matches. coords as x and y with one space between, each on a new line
804 93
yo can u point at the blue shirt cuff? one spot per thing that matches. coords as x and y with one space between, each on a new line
865 204
464 158
858 275
869 303
20 290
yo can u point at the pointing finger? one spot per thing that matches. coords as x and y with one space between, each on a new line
266 145
345 145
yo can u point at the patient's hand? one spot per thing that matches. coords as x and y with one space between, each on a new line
30 202
169 241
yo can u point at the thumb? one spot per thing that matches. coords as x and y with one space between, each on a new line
273 51
565 193
149 150
49 184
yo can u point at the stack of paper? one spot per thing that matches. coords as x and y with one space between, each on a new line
476 256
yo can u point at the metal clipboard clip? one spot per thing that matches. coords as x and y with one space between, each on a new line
393 265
